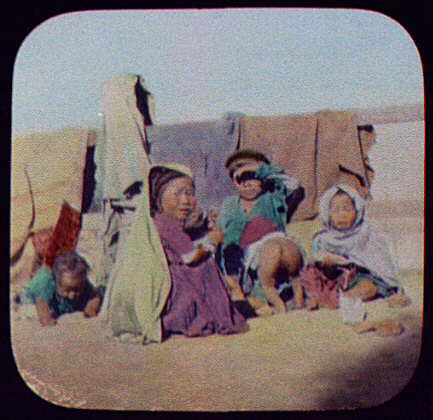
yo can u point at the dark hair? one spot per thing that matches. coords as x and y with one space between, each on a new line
70 263
245 154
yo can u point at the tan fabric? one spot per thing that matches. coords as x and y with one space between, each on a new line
311 148
55 163
123 151
90 246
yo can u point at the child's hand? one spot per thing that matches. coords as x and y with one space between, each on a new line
44 313
92 307
47 321
334 259
212 219
216 236
329 259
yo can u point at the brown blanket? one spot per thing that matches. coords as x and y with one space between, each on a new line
318 149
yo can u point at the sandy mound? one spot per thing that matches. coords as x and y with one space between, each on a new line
296 361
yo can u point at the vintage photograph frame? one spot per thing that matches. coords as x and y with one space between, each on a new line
70 127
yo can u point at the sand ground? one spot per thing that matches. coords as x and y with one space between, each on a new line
296 361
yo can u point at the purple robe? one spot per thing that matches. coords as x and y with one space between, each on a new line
198 304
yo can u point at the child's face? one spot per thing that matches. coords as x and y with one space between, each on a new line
342 212
178 199
70 286
248 189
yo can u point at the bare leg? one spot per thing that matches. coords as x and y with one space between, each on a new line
234 288
255 302
298 292
312 304
365 290
274 254
291 260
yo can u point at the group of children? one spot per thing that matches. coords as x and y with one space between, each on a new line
264 268
350 256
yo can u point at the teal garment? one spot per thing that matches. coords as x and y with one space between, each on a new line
272 205
43 286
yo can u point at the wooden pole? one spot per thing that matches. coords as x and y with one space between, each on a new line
391 114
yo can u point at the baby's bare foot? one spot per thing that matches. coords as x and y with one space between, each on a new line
264 311
312 304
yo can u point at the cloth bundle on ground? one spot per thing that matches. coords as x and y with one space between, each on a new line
363 245
323 286
319 150
203 147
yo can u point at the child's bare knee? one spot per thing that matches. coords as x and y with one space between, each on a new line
365 290
370 290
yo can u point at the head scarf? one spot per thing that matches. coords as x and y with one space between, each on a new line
361 243
357 200
159 177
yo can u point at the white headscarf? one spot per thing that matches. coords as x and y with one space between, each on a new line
361 243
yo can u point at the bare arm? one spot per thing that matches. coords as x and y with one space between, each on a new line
204 247
216 235
44 313
328 259
197 255
92 307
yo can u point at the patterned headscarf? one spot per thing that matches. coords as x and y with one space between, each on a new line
159 177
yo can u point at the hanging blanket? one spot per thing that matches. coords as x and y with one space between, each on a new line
121 157
318 150
203 147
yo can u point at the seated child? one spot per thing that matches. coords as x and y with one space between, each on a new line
349 254
255 248
62 289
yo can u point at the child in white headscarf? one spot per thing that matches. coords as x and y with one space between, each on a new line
349 254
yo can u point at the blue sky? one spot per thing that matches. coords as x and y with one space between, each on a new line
200 64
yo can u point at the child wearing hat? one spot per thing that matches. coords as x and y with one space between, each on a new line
259 260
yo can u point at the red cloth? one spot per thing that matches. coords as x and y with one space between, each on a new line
323 289
65 235
255 230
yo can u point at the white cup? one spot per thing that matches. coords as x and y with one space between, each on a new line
352 310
